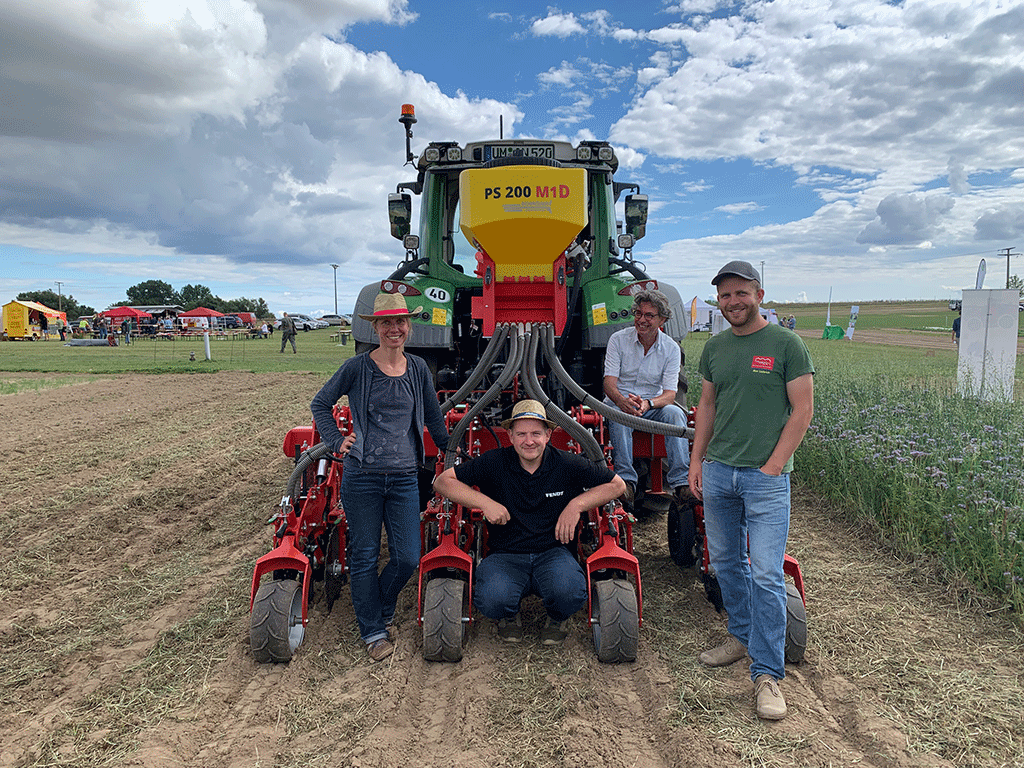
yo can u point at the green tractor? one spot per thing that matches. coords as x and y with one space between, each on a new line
498 219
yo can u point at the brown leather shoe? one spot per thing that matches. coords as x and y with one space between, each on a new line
768 699
380 649
683 493
729 652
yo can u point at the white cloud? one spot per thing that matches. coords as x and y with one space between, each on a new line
188 129
905 219
557 25
735 208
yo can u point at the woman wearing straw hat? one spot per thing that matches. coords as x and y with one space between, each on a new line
391 396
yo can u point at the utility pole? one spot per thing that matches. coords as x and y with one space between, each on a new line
1007 252
762 275
335 287
60 298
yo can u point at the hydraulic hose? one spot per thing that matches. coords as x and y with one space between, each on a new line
610 413
577 431
484 364
514 362
307 457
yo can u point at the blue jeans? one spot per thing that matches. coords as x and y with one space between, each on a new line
677 449
503 579
741 505
372 499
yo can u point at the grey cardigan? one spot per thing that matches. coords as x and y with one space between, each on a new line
354 378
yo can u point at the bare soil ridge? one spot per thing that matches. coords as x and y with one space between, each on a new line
124 626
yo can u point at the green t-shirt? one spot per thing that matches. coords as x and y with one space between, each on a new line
750 374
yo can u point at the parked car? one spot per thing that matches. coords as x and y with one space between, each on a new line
303 322
337 319
232 321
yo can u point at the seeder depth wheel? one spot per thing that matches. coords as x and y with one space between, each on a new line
682 535
443 630
796 625
616 621
275 625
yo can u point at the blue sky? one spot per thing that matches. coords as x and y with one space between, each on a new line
869 148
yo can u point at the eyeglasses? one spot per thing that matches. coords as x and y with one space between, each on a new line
646 315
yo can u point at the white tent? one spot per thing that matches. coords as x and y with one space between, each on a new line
700 314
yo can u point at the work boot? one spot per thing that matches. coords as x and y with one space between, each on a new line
380 649
627 496
554 632
732 650
768 698
511 630
683 493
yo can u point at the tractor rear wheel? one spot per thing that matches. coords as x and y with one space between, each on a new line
275 625
682 535
443 631
616 621
796 625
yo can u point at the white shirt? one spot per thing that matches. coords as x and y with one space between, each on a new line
639 374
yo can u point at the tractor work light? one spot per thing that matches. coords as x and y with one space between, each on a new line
626 242
634 288
584 153
411 242
433 154
453 155
606 154
393 286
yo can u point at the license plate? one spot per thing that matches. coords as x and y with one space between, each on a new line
529 150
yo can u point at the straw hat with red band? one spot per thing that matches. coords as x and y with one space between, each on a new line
528 409
390 305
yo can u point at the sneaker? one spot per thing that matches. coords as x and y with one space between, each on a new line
511 630
554 632
380 649
768 698
732 650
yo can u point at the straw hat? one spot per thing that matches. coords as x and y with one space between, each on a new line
528 409
392 305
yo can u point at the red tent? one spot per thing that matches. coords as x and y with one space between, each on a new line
131 312
202 312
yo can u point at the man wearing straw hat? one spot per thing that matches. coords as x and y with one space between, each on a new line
532 496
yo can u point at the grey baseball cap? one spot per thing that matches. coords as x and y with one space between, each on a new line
736 269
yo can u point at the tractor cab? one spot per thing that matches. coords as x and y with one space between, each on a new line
515 222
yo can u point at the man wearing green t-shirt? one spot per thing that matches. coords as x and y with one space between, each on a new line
756 402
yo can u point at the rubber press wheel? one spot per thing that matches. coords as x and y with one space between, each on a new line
682 535
275 625
796 625
616 621
443 630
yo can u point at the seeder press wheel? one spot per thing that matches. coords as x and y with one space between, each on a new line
616 621
443 631
275 624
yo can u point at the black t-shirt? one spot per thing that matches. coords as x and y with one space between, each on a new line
534 502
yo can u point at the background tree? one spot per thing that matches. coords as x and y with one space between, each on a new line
53 300
257 306
1016 282
193 296
152 292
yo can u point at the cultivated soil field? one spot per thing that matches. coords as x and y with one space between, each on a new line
133 509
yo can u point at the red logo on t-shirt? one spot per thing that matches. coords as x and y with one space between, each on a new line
762 363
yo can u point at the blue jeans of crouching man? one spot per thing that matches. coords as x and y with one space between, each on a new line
503 579
744 504
373 499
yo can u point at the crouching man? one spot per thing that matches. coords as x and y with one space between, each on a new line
531 496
